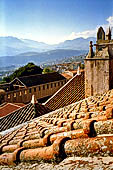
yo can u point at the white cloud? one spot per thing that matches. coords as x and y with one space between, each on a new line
84 34
110 21
90 33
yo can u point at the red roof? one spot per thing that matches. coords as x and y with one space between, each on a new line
67 76
72 91
8 108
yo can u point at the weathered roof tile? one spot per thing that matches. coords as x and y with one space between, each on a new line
70 131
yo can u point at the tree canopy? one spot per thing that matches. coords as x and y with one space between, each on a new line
29 69
47 70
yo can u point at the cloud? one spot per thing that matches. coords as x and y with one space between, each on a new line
84 34
91 33
110 21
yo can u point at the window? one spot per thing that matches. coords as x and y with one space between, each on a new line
25 91
55 84
14 94
43 87
58 83
39 88
51 85
47 86
29 90
35 89
20 93
8 96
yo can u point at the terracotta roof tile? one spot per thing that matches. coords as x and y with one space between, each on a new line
67 76
74 130
8 108
72 91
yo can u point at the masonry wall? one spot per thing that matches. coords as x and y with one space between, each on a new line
111 74
40 91
97 76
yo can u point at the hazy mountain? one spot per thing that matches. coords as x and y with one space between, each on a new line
77 44
39 58
21 51
12 46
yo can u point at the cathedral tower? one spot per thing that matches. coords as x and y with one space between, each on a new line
99 65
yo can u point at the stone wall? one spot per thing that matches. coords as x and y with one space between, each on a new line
24 95
111 74
97 79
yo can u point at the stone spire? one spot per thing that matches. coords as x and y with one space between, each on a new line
91 53
108 34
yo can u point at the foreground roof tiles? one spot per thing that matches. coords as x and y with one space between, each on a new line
72 91
82 129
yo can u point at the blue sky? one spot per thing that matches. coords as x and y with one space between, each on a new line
53 21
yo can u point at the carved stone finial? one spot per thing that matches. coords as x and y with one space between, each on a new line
108 34
33 100
91 53
78 71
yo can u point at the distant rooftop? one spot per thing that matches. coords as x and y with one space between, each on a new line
38 79
7 108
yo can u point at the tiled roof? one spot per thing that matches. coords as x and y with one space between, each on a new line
72 91
67 76
38 79
82 129
22 115
7 108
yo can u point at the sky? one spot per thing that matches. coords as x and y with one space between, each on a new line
54 21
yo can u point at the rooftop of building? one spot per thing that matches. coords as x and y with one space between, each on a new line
38 79
82 130
67 76
13 115
72 91
7 108
75 71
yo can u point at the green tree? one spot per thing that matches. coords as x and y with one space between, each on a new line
29 69
47 70
82 66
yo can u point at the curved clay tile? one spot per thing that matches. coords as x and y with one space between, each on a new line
79 132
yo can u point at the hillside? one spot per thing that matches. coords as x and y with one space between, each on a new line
39 58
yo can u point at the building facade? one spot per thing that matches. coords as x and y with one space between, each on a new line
41 86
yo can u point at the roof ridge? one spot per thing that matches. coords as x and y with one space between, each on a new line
35 75
15 105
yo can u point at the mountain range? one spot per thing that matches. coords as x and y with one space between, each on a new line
19 51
